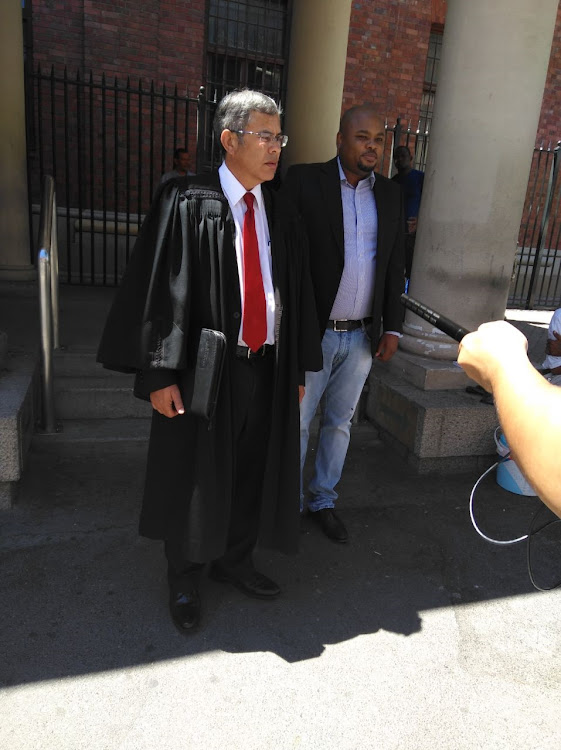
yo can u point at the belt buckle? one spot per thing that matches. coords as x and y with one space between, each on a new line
339 330
259 353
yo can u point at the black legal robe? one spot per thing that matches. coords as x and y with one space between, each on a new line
183 276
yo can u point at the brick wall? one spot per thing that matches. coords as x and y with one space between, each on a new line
387 52
386 55
153 39
164 40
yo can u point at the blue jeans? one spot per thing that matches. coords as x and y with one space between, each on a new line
347 360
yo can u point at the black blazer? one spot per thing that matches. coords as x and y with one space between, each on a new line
316 191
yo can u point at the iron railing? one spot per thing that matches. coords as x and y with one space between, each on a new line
536 277
47 266
106 143
403 134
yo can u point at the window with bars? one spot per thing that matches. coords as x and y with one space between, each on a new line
431 79
247 46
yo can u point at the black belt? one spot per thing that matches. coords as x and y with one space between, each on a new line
347 325
243 352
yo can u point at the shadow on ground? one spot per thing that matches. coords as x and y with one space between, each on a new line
82 593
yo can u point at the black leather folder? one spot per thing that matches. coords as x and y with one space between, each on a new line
207 373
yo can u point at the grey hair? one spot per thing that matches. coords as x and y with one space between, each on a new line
234 110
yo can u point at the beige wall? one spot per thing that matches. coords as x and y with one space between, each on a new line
316 75
14 226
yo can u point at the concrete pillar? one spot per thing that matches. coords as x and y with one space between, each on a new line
316 75
14 226
492 75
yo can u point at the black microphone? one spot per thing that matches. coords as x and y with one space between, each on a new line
445 325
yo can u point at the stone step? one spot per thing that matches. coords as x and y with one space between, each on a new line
103 397
98 431
80 360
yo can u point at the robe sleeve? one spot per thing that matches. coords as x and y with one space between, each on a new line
147 381
147 324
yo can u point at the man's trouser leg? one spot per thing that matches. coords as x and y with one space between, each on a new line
347 361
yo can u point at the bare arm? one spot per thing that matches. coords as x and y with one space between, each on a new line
529 407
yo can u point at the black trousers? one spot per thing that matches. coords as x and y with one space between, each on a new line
252 392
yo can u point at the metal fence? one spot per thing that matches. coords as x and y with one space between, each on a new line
536 276
403 134
107 143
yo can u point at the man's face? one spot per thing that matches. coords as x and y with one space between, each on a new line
360 145
402 159
182 162
249 159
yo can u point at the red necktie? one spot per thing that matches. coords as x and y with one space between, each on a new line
254 330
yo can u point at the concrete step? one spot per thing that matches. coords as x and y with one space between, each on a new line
80 360
103 397
97 431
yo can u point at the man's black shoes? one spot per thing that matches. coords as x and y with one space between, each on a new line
246 579
185 609
331 525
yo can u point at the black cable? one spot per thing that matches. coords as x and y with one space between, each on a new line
528 537
531 533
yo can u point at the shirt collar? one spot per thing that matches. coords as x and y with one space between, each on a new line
234 190
342 177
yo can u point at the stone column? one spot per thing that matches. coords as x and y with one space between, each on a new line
492 75
14 226
316 75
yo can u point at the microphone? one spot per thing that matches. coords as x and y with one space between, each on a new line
447 326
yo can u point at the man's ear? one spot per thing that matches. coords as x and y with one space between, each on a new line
229 141
338 141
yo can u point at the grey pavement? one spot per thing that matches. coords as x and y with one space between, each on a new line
416 635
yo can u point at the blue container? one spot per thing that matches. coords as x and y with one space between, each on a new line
509 476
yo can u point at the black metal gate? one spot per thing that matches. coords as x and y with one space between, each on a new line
107 142
536 277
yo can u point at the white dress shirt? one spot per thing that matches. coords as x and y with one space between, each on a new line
234 192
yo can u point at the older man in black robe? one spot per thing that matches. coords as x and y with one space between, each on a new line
221 252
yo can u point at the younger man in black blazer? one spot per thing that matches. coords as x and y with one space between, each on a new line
354 223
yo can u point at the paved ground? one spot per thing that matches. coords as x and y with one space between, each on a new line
416 635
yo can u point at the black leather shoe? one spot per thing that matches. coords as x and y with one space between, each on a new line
331 525
248 580
185 609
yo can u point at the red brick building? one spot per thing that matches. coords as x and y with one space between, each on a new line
392 56
128 75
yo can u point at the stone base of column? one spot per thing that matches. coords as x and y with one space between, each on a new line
19 395
3 350
421 408
8 492
427 374
17 273
423 342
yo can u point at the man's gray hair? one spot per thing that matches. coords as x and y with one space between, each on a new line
235 108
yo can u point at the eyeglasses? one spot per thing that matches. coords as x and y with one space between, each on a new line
266 137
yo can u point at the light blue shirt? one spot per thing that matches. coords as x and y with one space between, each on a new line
360 224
